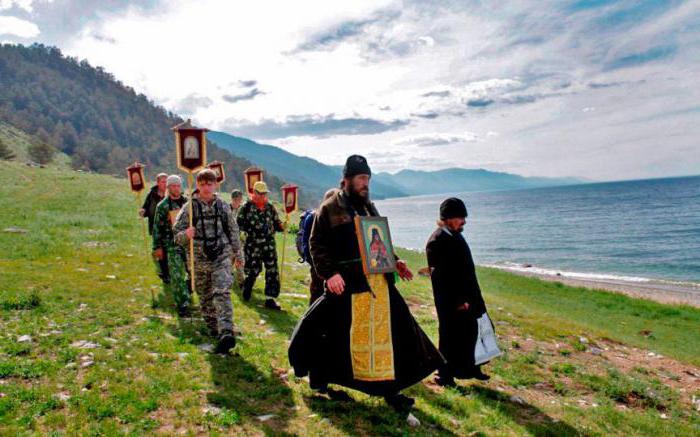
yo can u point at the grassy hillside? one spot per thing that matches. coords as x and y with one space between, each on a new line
101 124
19 142
75 279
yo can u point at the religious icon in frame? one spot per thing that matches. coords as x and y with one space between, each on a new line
135 175
218 169
289 198
252 175
376 248
190 146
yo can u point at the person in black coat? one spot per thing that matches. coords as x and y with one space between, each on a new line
148 210
457 294
324 344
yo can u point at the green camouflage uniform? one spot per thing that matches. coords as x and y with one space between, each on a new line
238 271
213 278
163 221
260 247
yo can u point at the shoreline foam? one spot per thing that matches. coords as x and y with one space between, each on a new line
664 291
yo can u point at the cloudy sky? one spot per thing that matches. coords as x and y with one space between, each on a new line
591 88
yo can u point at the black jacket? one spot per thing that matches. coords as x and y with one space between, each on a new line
150 204
454 283
320 343
333 244
453 273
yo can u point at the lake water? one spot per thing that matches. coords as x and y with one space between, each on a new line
633 230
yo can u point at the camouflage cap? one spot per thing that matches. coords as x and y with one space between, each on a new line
260 187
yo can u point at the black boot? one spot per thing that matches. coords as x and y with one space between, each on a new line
226 342
184 312
476 373
271 304
399 402
481 376
248 288
445 381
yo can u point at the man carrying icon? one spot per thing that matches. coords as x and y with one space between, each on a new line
360 334
259 221
216 241
164 247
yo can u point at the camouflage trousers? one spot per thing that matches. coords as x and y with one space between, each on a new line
213 282
179 285
162 269
238 274
258 253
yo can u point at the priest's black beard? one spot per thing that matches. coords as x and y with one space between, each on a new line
357 200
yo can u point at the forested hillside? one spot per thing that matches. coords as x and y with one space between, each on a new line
83 111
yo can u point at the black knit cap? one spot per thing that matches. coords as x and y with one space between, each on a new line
452 208
355 165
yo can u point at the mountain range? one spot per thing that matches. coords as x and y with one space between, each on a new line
96 123
317 177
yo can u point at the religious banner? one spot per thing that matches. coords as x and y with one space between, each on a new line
191 151
218 168
135 175
376 249
252 175
290 198
190 147
137 183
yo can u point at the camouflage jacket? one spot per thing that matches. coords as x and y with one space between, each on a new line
259 224
211 225
163 221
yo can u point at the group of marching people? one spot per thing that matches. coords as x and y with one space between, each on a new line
358 331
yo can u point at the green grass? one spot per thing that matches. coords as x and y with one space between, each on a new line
81 274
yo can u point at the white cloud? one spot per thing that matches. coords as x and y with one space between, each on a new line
26 5
549 88
436 139
17 27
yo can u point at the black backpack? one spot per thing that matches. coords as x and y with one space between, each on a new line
306 219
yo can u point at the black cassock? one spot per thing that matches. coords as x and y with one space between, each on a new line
321 342
454 283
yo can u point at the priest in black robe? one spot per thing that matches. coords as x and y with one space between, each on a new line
457 294
360 333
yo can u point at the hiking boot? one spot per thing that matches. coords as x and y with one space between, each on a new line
271 304
247 288
445 381
338 395
399 402
225 344
481 376
247 293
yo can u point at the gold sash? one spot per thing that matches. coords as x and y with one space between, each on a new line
371 347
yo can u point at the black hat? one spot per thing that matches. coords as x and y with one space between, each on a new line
355 165
452 208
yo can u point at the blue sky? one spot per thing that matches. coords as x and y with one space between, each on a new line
596 89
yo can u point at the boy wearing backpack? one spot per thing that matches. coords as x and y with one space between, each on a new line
216 239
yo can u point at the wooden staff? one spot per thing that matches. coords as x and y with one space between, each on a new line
190 182
284 244
145 241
